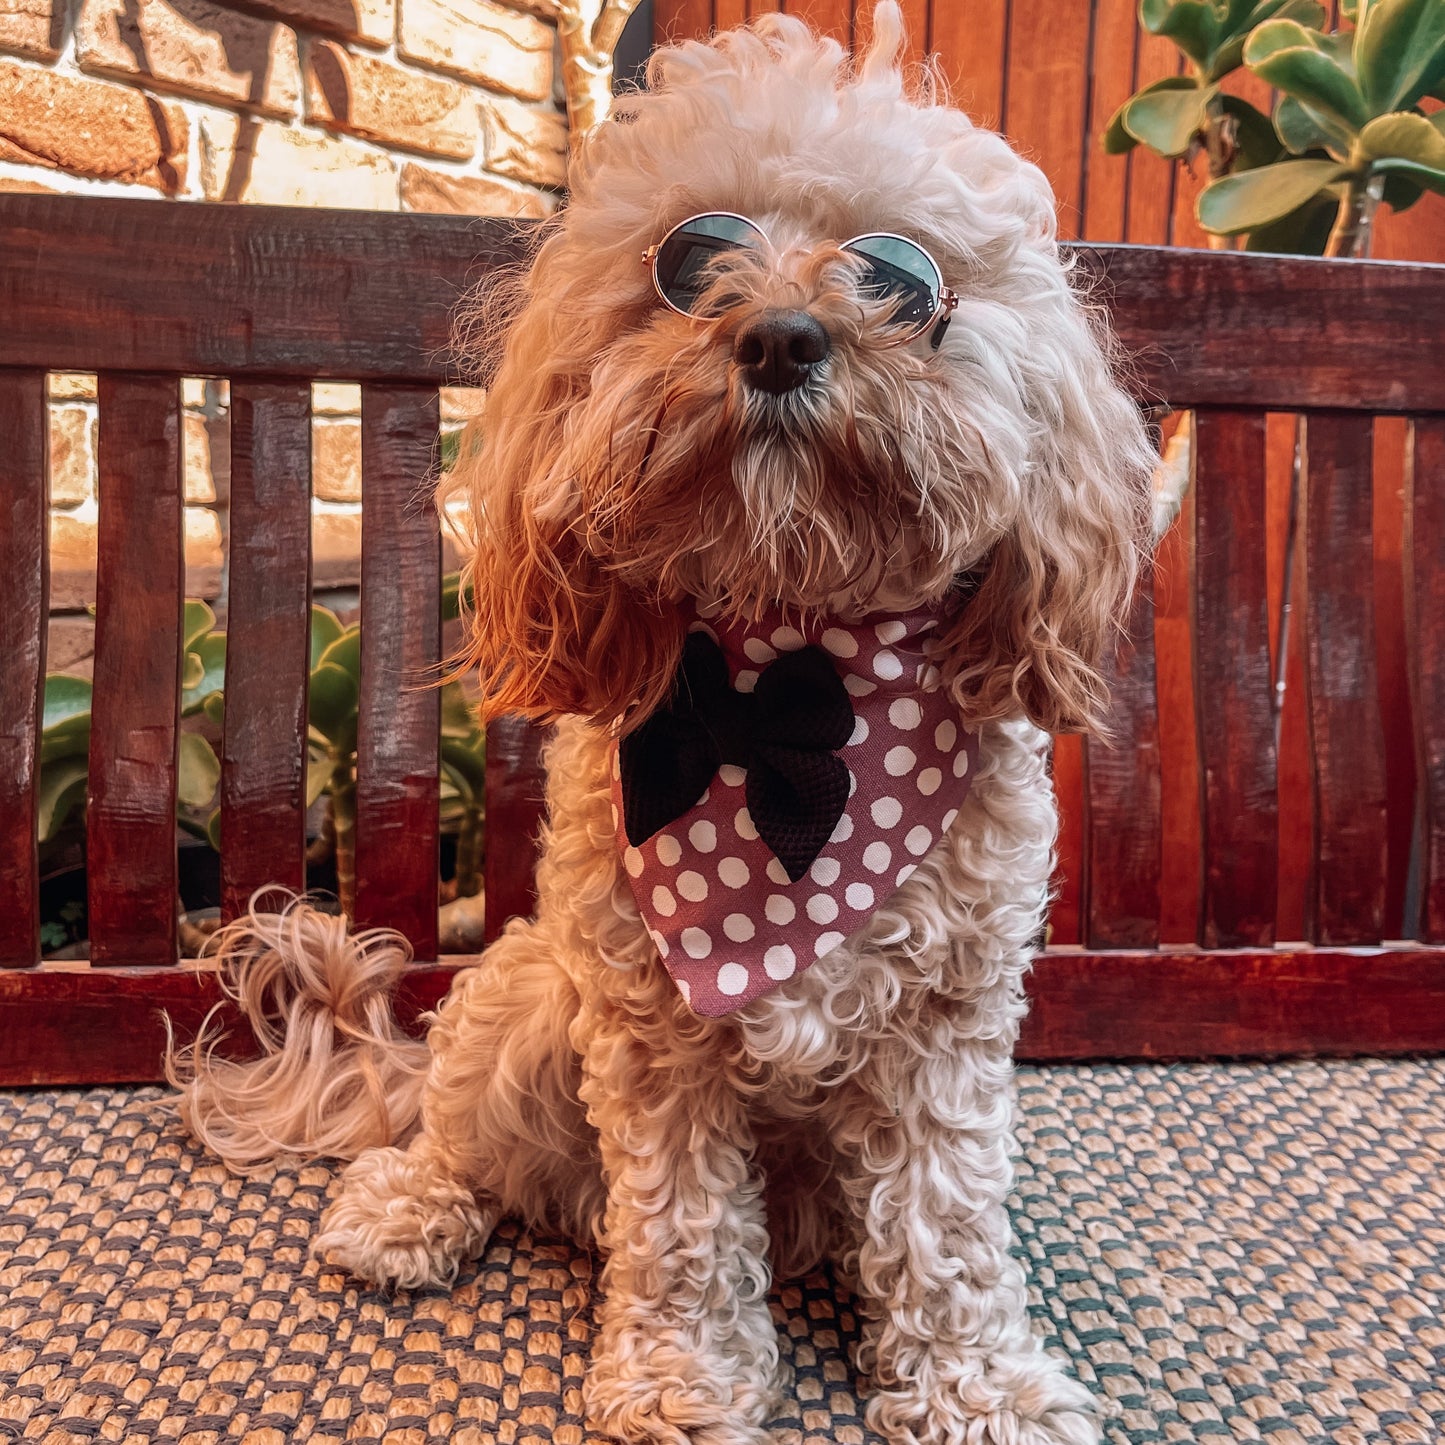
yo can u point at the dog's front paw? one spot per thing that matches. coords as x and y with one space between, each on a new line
988 1400
653 1390
401 1222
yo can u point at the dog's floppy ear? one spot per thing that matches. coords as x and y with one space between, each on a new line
1055 588
549 628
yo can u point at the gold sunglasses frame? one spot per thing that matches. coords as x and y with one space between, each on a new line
938 320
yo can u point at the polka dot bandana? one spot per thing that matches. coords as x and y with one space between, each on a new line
728 922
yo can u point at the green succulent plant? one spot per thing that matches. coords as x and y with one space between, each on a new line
1348 131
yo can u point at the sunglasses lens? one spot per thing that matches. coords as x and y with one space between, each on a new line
899 272
685 259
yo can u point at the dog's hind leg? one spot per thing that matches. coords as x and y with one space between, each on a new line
501 1128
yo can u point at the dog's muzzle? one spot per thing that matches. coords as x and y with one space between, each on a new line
778 350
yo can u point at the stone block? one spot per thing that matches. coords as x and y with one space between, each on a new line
200 486
336 460
90 128
373 22
267 164
192 48
424 189
524 143
32 27
381 102
72 455
70 644
503 48
336 548
335 398
71 385
73 551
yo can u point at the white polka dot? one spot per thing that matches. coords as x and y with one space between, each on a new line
944 736
928 678
659 942
887 666
877 856
825 871
905 873
779 910
696 942
887 812
929 781
852 784
859 686
743 825
843 831
616 818
787 639
733 872
758 651
616 763
692 886
859 896
905 713
707 609
778 873
890 631
732 979
746 680
669 851
860 732
780 961
918 841
822 908
685 989
703 836
840 643
948 818
731 776
826 943
899 761
738 927
960 762
663 901
632 861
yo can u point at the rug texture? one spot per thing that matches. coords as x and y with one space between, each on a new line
1221 1252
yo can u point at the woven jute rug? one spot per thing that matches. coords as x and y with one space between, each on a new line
1220 1251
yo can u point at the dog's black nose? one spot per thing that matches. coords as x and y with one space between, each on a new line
778 351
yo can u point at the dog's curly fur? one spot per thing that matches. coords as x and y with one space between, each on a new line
862 1109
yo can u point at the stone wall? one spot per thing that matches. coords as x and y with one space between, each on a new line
420 105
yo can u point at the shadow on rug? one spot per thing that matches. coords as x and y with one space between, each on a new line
1223 1252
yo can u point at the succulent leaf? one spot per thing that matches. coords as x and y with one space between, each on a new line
325 629
1255 198
1117 141
198 771
62 789
1304 64
1400 52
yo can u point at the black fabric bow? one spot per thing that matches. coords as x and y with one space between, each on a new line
786 734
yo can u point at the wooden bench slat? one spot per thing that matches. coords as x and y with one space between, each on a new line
1123 818
139 591
263 757
1425 642
516 806
24 606
1347 902
1232 682
397 826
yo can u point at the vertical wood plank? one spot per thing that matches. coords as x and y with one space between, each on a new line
972 38
1151 180
139 587
1348 903
674 20
397 829
1066 913
516 807
263 755
1046 111
1104 184
1238 798
1425 645
1121 793
24 606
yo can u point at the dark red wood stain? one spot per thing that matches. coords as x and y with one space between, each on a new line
516 807
1232 681
139 587
397 827
263 757
24 603
1121 799
1348 900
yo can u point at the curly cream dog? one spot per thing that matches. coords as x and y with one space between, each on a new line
643 463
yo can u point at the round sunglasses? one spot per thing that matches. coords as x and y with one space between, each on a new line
895 270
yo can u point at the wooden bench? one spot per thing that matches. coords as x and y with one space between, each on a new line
145 294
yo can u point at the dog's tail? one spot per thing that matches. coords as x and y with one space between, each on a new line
336 1075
